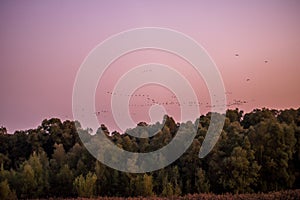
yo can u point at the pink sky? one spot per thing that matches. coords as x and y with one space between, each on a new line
43 44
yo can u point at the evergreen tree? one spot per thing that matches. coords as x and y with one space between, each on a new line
85 186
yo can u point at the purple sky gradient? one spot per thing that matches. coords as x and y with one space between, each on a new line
43 44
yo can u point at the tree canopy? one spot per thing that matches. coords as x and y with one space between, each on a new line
256 152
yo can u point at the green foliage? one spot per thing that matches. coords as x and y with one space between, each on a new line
256 152
241 170
201 182
63 182
143 185
5 191
34 176
28 181
85 186
168 190
274 146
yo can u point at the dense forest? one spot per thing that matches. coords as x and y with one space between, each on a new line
256 152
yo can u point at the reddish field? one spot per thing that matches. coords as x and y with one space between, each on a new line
286 195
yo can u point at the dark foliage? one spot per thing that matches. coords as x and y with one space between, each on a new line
256 152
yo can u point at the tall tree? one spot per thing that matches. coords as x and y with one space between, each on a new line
85 186
35 175
201 182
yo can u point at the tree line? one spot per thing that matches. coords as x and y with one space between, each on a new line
256 152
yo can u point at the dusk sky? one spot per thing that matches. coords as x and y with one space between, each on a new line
255 45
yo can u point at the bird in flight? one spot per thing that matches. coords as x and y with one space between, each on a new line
97 113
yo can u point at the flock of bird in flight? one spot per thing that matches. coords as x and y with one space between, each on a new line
172 102
150 101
